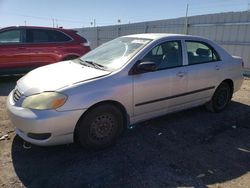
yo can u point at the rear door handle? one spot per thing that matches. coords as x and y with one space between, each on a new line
217 67
180 74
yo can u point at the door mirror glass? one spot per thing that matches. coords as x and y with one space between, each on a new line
146 66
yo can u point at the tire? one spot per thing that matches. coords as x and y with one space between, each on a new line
222 96
100 127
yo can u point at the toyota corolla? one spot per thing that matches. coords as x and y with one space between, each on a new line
130 79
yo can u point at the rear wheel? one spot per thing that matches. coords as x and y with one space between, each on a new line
100 127
220 99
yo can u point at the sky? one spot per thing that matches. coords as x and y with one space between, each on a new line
84 13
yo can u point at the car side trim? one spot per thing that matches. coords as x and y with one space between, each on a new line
175 96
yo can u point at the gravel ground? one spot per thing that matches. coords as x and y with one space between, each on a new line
192 148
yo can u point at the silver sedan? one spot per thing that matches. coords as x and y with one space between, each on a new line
93 99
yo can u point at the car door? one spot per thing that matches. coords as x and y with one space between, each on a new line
13 53
155 91
43 50
203 70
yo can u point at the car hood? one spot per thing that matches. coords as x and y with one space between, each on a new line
56 76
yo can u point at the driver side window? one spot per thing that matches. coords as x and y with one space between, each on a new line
166 55
10 36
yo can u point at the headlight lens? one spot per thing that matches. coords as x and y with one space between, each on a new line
44 101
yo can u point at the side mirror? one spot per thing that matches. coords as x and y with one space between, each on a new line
146 66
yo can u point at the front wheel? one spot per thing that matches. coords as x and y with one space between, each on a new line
100 127
220 99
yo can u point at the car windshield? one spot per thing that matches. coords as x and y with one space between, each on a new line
116 53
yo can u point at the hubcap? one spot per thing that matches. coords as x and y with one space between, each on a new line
102 127
222 98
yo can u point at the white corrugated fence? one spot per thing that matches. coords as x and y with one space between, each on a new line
231 30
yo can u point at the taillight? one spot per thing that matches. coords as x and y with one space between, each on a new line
86 44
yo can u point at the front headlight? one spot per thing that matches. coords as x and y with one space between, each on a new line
44 101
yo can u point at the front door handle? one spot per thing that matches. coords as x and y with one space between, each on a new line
21 48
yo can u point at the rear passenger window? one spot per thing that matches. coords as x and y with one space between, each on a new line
199 52
45 36
36 36
57 36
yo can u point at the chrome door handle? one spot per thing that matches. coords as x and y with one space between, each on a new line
180 74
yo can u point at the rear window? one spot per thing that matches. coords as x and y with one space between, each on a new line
79 34
43 36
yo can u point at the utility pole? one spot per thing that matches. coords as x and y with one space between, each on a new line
186 20
93 23
56 23
24 22
53 21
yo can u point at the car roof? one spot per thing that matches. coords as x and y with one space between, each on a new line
155 36
32 27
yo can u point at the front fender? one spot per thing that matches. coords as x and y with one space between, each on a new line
84 95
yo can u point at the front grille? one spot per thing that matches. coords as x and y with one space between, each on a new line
16 95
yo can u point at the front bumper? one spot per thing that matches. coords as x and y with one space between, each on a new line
59 125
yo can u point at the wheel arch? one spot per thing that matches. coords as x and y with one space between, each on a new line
117 104
210 104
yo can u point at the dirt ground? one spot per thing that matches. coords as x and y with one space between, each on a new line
192 148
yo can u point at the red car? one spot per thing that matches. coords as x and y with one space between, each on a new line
25 48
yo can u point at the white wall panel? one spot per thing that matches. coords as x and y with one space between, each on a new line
231 29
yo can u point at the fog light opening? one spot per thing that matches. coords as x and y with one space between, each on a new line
39 136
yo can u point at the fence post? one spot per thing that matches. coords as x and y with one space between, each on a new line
186 21
118 31
186 25
97 37
146 27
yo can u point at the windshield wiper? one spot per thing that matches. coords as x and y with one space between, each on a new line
93 64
